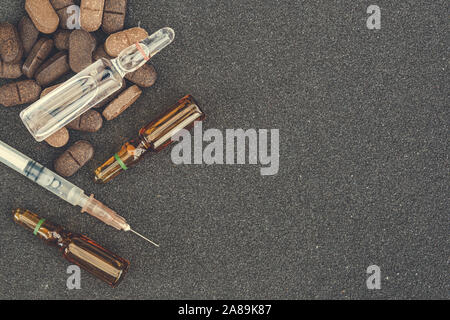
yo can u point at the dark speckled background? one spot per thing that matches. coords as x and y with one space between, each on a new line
363 118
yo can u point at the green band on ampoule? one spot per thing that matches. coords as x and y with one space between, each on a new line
38 226
120 162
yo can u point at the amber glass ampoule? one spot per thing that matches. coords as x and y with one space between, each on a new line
155 136
76 248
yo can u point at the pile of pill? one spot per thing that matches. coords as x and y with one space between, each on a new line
44 50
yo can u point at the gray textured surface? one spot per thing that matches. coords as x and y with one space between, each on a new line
363 119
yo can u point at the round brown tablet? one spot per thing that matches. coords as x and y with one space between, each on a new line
38 54
122 102
52 69
90 121
74 158
61 39
59 138
10 70
81 46
144 77
21 92
28 33
91 14
11 49
114 14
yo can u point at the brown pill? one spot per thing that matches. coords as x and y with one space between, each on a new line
122 102
61 39
114 15
21 92
74 158
28 33
90 121
10 70
100 53
37 56
145 76
46 91
52 69
59 138
91 14
61 7
43 15
81 46
11 49
123 39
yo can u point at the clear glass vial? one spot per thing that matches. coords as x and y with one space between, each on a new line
90 86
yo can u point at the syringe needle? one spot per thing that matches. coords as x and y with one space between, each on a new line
140 235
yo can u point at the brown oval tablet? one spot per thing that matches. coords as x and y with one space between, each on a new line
100 53
144 77
37 56
90 121
43 15
52 69
59 138
61 7
46 91
81 46
114 15
10 70
61 39
28 33
91 14
123 39
19 93
11 49
74 158
122 102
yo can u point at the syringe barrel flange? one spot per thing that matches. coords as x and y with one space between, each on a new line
97 209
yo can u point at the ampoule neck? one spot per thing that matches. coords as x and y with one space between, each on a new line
51 233
128 155
136 55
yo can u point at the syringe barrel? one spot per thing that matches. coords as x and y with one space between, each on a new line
41 175
13 158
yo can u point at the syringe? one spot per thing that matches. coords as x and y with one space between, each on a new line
62 188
